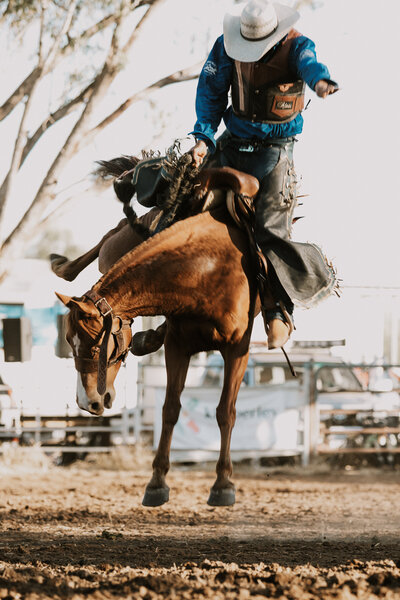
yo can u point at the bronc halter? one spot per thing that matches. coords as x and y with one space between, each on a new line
121 346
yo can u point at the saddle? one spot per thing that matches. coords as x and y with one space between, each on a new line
224 184
149 179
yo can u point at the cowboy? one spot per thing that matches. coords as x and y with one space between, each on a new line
265 63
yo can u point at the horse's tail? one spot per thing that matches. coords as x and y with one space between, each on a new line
116 166
121 170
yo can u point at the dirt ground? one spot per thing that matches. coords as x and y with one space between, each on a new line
80 532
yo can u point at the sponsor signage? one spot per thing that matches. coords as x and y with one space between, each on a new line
266 419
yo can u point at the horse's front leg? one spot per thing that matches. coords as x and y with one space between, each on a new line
222 492
177 363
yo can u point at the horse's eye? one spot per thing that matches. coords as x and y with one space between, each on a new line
83 316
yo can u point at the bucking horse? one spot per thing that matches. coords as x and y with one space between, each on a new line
199 274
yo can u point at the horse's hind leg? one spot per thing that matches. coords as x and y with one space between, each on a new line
112 247
222 492
177 363
70 269
123 240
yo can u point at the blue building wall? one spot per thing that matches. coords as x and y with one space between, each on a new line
43 321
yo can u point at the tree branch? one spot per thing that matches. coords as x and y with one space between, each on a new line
22 90
57 115
26 85
48 62
21 135
43 62
46 191
177 77
25 228
141 22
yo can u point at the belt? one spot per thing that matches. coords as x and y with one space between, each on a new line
255 144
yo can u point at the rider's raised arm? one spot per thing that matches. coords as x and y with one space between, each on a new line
212 93
303 59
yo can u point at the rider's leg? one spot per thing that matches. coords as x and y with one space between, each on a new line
272 164
275 204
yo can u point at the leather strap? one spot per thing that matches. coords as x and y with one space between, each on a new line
91 365
103 356
100 303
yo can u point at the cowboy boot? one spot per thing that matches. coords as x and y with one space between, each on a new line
278 333
278 322
279 326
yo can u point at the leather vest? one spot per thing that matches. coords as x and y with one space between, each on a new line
268 92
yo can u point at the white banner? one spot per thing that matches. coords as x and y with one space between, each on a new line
266 419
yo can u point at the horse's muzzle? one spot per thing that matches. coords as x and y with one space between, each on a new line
95 407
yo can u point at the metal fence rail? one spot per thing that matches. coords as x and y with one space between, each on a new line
362 431
316 434
325 430
65 433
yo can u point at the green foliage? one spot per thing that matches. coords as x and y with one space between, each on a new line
21 13
20 10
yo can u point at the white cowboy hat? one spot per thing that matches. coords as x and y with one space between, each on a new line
261 25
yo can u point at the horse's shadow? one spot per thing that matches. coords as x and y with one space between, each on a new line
141 550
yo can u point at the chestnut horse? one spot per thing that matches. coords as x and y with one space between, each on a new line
198 274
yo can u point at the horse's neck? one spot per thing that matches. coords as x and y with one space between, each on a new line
165 275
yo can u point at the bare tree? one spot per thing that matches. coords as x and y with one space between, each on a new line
60 35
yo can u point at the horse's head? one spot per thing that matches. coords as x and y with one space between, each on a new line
100 342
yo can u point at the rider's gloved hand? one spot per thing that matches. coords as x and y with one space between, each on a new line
323 88
199 152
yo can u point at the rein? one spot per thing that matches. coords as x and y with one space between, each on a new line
101 364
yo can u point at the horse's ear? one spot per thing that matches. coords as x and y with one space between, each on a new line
64 299
83 305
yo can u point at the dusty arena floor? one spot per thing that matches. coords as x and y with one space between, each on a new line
81 532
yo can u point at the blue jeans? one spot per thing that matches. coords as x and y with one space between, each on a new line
256 157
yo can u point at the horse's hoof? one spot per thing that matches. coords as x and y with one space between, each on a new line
221 497
58 265
155 496
146 342
57 260
53 257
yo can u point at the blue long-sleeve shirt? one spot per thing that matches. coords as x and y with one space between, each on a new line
214 84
